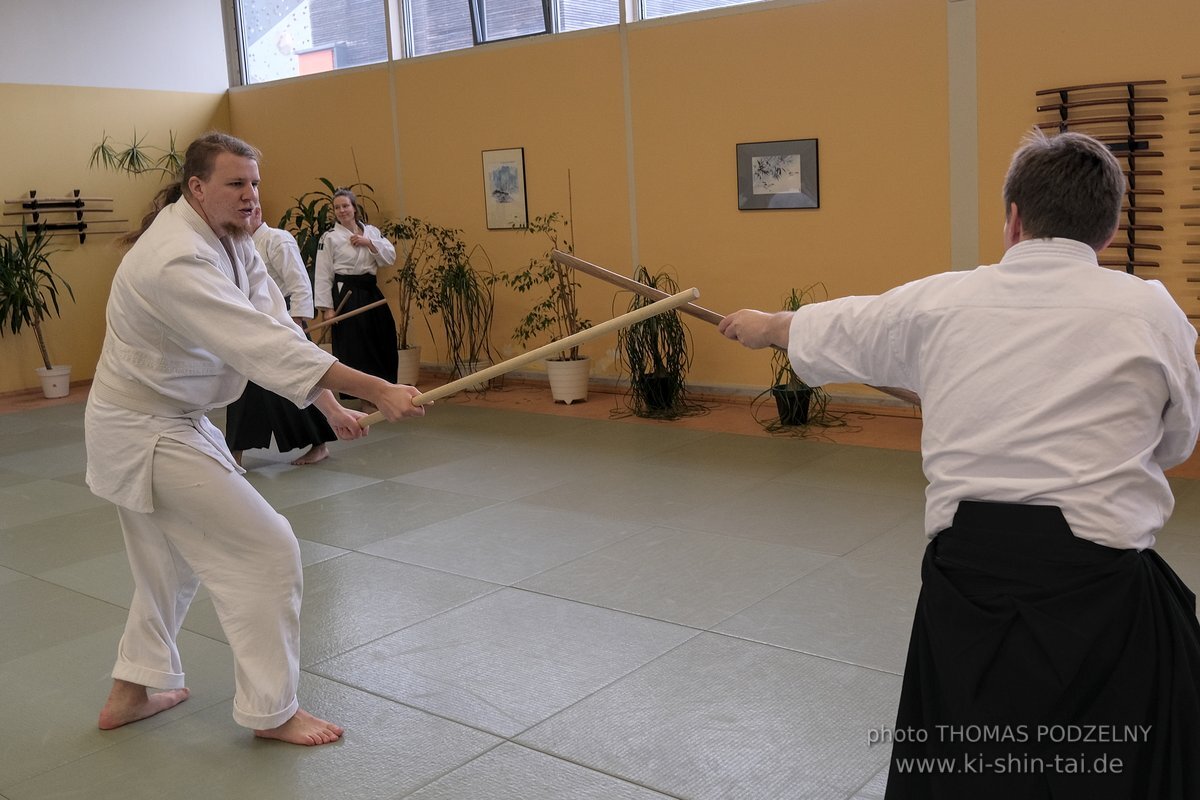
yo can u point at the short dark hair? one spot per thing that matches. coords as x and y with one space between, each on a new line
1066 186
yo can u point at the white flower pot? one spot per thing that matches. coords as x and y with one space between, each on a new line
569 379
409 370
56 381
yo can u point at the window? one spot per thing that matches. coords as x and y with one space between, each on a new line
285 38
665 8
435 26
575 15
496 20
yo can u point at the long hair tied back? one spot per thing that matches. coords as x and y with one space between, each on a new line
164 198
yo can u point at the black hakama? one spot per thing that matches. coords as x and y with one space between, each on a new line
1046 666
366 342
256 416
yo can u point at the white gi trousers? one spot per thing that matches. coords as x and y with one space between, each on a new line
210 526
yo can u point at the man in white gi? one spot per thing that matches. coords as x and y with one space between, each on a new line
191 314
1054 395
281 255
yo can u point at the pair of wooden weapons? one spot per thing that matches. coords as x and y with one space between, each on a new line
681 301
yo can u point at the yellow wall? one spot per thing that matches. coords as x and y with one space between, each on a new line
866 77
1073 42
48 141
563 106
646 118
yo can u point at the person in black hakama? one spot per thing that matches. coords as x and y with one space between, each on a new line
1054 654
347 259
258 415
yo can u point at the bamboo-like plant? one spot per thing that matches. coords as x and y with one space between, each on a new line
29 287
135 157
557 311
656 353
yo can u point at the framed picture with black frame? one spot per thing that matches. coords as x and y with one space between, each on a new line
779 174
504 188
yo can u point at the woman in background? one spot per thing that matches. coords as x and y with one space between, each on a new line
347 259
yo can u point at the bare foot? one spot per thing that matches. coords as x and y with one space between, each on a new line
304 728
129 702
237 456
316 453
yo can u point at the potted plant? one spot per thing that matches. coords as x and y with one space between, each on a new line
29 290
557 312
797 404
655 351
461 296
422 246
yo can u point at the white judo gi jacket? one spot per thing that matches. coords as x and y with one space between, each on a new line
281 254
190 317
337 256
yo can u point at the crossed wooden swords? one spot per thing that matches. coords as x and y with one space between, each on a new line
663 302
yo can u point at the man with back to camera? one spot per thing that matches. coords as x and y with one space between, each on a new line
1054 654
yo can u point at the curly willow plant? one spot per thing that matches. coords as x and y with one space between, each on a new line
655 351
787 387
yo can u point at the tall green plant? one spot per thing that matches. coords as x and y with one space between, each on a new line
29 287
558 310
424 248
461 296
135 157
656 353
311 215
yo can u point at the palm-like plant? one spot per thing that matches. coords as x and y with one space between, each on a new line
29 287
136 157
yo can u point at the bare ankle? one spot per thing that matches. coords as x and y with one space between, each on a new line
129 702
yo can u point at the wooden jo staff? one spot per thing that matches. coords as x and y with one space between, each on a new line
316 326
588 268
667 303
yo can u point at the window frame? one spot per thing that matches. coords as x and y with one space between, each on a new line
399 37
479 23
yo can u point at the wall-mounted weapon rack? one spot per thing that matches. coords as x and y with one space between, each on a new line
1192 207
70 215
1116 114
